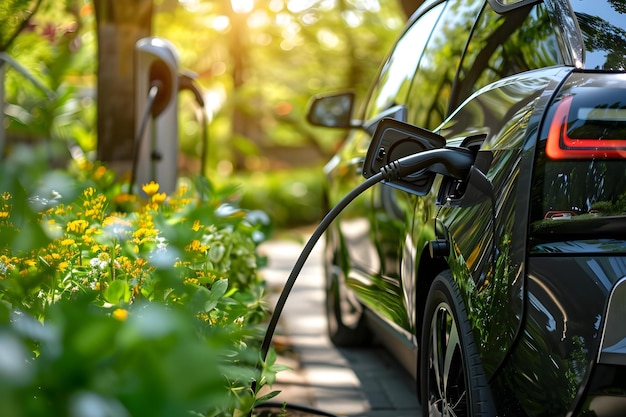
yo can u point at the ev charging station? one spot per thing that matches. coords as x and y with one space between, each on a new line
156 110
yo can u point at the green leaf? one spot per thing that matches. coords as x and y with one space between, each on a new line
219 288
206 300
271 358
201 300
266 397
117 292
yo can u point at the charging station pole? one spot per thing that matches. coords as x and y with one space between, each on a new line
156 122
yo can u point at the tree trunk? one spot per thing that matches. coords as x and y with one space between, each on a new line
410 6
120 24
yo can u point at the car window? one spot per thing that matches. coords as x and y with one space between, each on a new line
393 83
602 24
432 85
503 45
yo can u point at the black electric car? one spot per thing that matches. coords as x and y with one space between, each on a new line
501 286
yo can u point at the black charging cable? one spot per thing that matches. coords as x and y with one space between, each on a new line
457 161
186 81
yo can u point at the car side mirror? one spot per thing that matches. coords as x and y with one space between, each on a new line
332 110
393 140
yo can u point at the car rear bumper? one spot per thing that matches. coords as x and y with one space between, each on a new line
606 393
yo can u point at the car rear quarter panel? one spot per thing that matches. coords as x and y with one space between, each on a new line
559 345
488 231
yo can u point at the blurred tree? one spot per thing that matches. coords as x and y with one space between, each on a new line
49 76
120 24
14 16
410 6
245 125
260 62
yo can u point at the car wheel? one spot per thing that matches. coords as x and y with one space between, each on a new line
346 321
452 380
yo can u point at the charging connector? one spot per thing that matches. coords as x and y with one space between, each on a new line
454 162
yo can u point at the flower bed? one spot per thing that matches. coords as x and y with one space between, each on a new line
125 305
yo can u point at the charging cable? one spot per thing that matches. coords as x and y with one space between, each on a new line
457 162
186 81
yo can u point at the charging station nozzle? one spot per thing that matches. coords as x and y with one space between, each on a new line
453 162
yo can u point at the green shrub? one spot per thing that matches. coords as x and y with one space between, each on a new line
290 198
126 305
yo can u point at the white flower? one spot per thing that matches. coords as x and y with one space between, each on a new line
161 244
4 268
98 263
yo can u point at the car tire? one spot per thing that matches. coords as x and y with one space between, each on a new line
346 321
452 379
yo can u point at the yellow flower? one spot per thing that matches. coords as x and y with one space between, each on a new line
150 188
158 198
103 256
112 221
203 316
77 226
120 314
192 281
67 242
196 226
89 191
181 264
83 164
63 266
196 246
124 198
100 172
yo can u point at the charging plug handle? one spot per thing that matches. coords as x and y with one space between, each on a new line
456 162
186 81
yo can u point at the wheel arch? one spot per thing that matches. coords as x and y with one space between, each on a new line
427 269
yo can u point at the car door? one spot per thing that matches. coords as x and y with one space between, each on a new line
517 58
404 222
400 223
370 227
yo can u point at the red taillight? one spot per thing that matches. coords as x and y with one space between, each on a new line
561 146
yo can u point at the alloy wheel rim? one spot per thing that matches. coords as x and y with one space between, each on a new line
447 388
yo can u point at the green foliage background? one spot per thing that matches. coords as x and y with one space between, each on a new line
257 70
121 305
286 52
93 316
